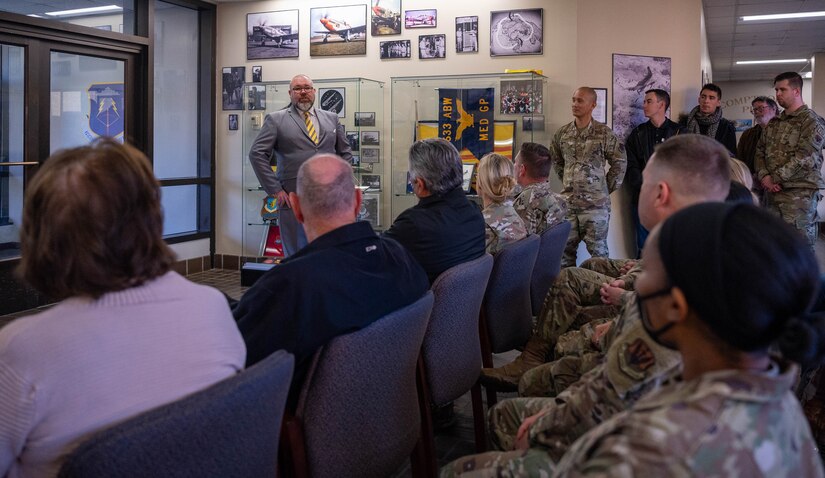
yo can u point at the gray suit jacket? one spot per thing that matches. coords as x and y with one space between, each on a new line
284 133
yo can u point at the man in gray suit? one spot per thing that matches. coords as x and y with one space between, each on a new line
293 135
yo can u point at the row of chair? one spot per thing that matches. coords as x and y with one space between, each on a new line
365 405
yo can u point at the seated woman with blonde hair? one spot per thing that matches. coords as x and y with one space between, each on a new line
495 181
129 333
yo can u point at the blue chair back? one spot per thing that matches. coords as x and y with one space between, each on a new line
548 263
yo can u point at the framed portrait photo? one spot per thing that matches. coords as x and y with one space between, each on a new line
420 18
516 32
432 46
257 74
233 122
334 100
337 31
354 140
232 87
395 49
466 34
271 35
256 97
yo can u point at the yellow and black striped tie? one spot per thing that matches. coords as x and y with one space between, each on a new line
313 135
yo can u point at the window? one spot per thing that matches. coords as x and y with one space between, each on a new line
111 15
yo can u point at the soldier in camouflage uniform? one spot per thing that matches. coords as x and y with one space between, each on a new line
731 412
580 150
789 158
539 206
495 182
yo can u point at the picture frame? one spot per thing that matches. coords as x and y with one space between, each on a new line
256 97
370 138
233 122
354 140
600 113
257 74
364 118
466 34
355 161
371 209
370 155
232 87
271 35
372 181
338 30
395 49
386 17
632 76
420 18
334 100
521 97
532 123
468 171
432 46
517 32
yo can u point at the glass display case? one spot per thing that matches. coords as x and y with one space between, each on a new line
359 103
479 113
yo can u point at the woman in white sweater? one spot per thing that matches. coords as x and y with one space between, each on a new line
128 335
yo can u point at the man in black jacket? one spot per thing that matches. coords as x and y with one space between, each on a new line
639 147
444 229
706 119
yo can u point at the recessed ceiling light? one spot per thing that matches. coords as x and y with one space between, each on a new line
766 62
84 11
783 16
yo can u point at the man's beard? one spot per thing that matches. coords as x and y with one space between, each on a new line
303 106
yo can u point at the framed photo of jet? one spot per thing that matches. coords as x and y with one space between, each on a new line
336 31
272 35
420 18
386 17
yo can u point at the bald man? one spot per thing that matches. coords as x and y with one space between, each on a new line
343 280
580 151
291 136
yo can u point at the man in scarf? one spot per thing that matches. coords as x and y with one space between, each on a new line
706 119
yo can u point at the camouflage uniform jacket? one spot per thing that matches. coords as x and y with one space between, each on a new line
724 423
504 226
540 207
580 158
790 150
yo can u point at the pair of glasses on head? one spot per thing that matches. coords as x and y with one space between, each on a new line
300 89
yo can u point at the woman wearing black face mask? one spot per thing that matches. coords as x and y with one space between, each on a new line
721 284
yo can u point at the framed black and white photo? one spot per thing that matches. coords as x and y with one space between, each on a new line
257 74
466 34
521 97
432 46
232 87
395 49
632 76
370 209
354 140
600 113
420 18
334 100
363 118
370 138
233 122
336 31
355 161
516 32
256 97
372 181
468 169
370 155
532 123
386 17
271 35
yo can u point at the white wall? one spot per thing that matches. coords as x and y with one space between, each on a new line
579 39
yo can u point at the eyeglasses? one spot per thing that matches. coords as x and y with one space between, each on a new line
300 89
760 108
640 300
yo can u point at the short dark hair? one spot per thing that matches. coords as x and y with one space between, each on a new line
794 79
766 99
536 159
93 223
662 95
698 165
712 87
438 163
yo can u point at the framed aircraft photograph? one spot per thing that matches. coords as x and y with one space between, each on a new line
337 31
516 32
334 100
466 34
272 35
386 17
370 138
420 18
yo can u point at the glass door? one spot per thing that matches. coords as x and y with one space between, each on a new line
12 162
